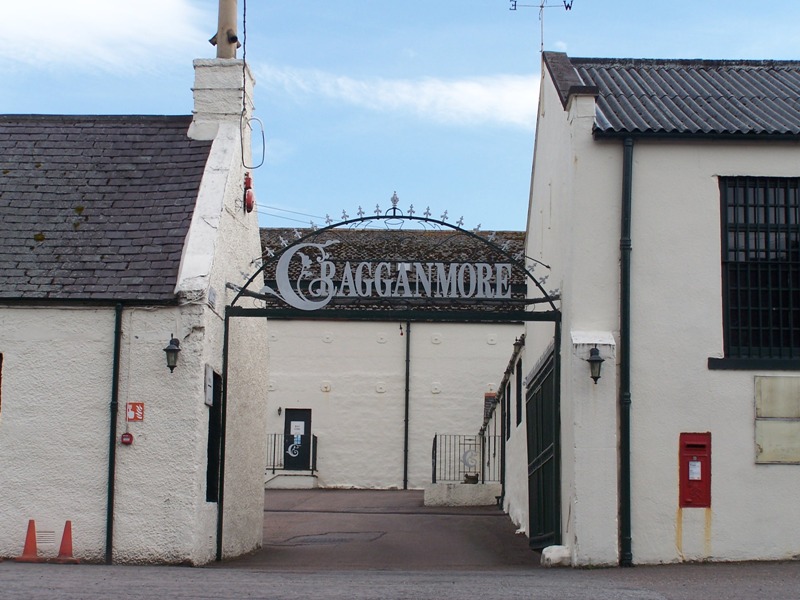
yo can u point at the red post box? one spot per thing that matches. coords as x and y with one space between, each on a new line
695 470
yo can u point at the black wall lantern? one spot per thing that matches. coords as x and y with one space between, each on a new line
172 350
595 362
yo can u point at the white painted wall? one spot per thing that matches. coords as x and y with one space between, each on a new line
568 229
676 274
676 325
54 439
360 421
56 392
55 424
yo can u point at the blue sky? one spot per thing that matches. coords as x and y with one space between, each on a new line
362 98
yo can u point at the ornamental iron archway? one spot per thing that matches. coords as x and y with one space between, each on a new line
420 268
415 268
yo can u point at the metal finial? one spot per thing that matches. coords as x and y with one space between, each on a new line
328 220
313 225
444 216
460 221
345 216
297 235
427 213
477 229
411 210
395 200
360 212
283 242
378 210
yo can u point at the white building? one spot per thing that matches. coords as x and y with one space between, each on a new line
374 393
665 197
116 235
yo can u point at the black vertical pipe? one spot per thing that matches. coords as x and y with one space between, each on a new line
408 403
112 433
222 434
625 246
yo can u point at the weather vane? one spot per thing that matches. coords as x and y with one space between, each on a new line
541 6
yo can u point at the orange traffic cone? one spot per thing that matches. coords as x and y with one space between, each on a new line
30 553
65 552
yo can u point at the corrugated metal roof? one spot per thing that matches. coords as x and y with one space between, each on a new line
95 207
684 97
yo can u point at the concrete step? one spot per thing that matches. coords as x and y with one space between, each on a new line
291 480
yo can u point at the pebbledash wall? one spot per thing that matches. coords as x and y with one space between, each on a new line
222 245
57 386
352 375
676 326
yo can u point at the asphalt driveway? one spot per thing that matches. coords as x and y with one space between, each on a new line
317 530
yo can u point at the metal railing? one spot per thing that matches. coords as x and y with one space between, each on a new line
465 458
276 451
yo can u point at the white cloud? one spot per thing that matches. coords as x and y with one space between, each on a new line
104 34
499 99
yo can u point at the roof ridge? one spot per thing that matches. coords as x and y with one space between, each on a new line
66 117
686 62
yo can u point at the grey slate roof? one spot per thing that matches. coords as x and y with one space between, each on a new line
684 97
95 207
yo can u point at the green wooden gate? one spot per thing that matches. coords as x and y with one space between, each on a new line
544 473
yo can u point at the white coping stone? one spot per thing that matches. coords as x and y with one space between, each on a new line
605 338
462 494
556 556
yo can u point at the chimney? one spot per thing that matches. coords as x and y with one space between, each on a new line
223 86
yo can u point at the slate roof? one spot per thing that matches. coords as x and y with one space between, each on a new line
411 245
95 207
706 98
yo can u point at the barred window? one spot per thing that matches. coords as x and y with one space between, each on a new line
761 267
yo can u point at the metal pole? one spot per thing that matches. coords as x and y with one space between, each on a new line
483 457
502 448
227 38
407 404
222 434
112 434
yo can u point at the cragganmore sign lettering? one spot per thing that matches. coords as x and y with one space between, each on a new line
320 279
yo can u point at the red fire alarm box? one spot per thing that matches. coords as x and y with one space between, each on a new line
695 470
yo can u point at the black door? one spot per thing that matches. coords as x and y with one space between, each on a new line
544 481
297 439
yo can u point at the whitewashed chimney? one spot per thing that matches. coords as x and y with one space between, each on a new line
223 86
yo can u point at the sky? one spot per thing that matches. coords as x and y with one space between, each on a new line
360 99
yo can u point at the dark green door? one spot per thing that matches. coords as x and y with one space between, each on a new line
544 484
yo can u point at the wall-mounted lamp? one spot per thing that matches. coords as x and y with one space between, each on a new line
172 350
595 362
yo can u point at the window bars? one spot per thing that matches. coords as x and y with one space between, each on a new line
761 266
